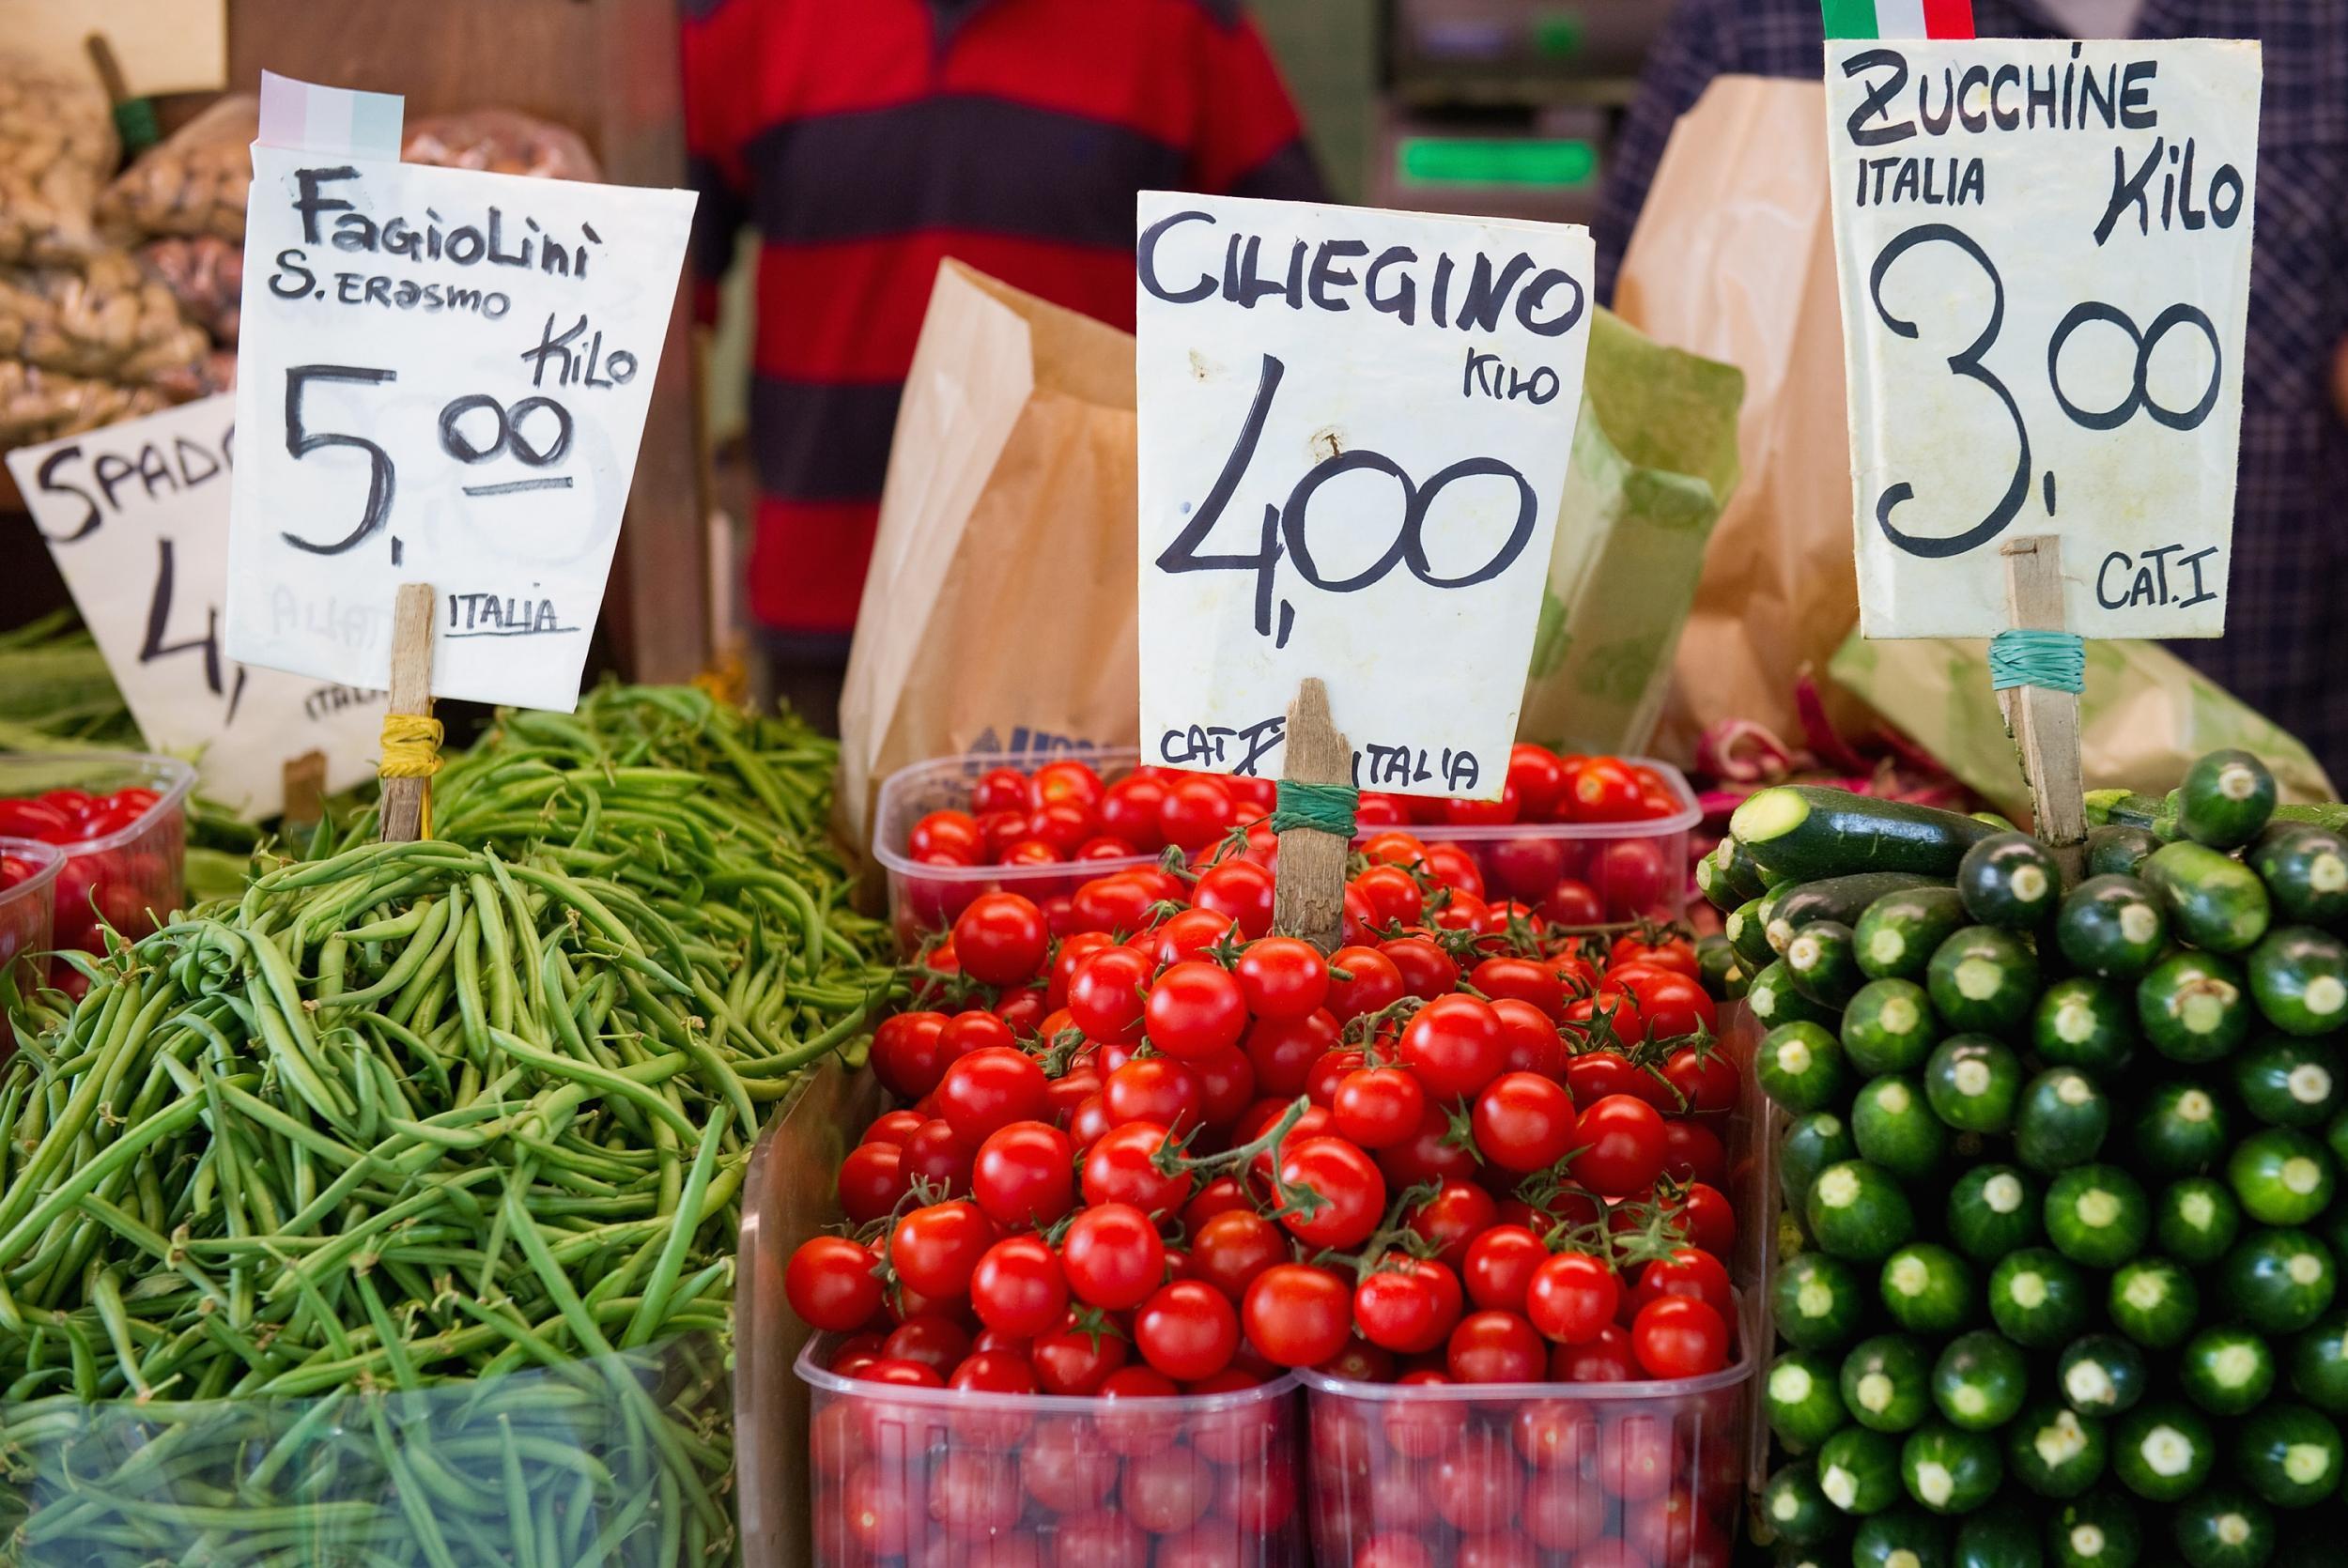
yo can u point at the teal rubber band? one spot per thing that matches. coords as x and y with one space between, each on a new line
1326 807
2055 660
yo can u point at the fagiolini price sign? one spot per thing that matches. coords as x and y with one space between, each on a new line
2045 255
1354 427
442 377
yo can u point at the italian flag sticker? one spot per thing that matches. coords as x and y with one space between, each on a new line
1899 18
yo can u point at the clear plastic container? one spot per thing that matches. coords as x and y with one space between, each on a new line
128 879
27 911
1598 1475
945 1478
1639 870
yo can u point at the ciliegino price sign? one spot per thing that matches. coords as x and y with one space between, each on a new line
442 377
1354 428
2045 257
136 516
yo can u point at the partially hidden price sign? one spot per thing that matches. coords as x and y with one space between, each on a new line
2045 257
442 377
136 516
1354 428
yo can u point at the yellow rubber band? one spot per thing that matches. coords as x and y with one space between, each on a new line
411 750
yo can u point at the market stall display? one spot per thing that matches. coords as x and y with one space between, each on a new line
121 820
2062 1161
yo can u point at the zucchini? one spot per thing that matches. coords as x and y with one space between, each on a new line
2039 1298
1859 1212
1775 1000
1926 1288
2305 869
2098 1530
2319 1363
1949 1469
2112 926
2121 808
2055 1452
2117 850
2214 902
1719 969
1817 1302
2085 1023
1713 879
2299 975
2181 1128
2153 1302
2222 1526
2289 1453
1800 1400
2011 879
1822 965
2101 1375
1747 929
1899 932
2197 1221
2225 799
2099 1214
1800 1066
2287 1082
2063 1120
1887 1383
2002 1537
2280 1176
1813 1141
1859 1470
2163 1450
1973 1082
1982 979
1994 1210
1887 1026
1900 1538
1797 1509
2192 1006
2226 1370
2279 1282
1805 830
1979 1381
1840 900
1895 1128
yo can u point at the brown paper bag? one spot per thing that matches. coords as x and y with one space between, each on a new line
1734 259
999 611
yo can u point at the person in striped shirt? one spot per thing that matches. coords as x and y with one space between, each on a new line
867 140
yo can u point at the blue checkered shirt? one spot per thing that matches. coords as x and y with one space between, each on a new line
2286 647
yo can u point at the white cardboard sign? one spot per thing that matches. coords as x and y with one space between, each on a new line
136 516
2044 257
1354 428
443 376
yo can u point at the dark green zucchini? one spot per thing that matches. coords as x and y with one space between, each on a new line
1823 967
2225 799
1899 932
1806 830
2305 871
1887 1026
1747 928
2010 880
2193 1008
2112 926
1840 900
2214 902
2300 977
1982 979
1775 999
2117 850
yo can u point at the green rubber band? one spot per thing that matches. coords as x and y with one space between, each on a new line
2055 660
1326 807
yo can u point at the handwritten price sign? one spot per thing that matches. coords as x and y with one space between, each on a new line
2044 254
1354 432
442 377
136 516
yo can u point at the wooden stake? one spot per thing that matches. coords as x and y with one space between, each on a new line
411 693
2047 723
1309 898
305 778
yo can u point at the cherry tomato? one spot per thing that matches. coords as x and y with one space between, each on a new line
1154 1090
1496 1347
1456 869
1427 972
974 1494
1171 1493
999 789
935 1249
1118 904
973 1030
1670 1004
936 1154
1621 1150
1105 993
945 838
1195 1010
1707 1081
1024 1176
1453 1217
1231 1248
1075 1358
1112 1256
1523 1122
1282 978
1377 1107
1243 890
1523 980
1694 1152
1604 790
1128 808
1658 949
1187 935
1606 1359
1330 1072
1688 1271
1591 1075
871 1180
1539 780
1455 1046
1572 903
1630 877
1297 1313
1679 1336
1283 1051
1429 1154
831 1284
1407 1306
930 1339
1422 1428
1221 1195
1533 1042
1370 982
1063 1466
1226 1086
1001 938
1070 783
1352 1192
1121 1167
1572 1298
1395 896
1709 1219
1195 812
1500 1265
1188 1331
1555 1434
988 1090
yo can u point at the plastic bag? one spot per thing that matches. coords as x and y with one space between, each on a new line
112 320
56 143
206 274
194 183
502 141
38 404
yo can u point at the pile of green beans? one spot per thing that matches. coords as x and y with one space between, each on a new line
385 1216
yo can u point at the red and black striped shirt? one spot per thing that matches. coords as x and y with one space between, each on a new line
870 139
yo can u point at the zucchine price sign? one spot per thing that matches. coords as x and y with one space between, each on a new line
2045 257
1354 427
